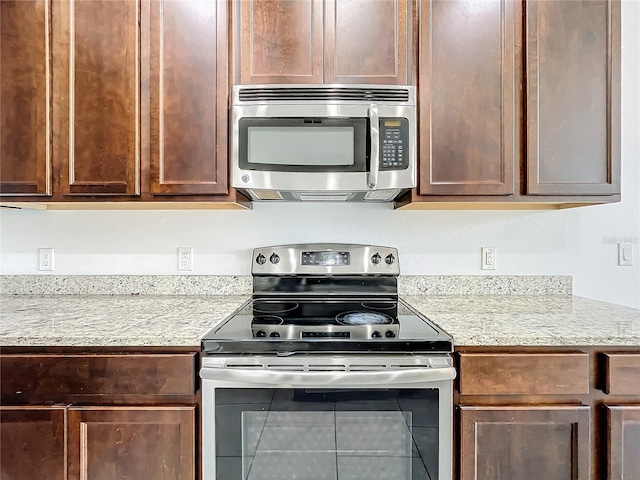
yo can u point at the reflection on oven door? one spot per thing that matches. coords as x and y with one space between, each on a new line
326 445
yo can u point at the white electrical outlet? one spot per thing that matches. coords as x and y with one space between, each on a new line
185 258
45 259
489 258
625 254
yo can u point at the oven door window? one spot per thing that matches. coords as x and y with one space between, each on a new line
303 144
307 434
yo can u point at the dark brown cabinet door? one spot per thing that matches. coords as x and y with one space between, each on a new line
143 443
97 85
25 97
573 97
624 442
188 96
280 41
524 443
32 443
467 80
367 41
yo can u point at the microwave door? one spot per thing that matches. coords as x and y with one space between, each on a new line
374 138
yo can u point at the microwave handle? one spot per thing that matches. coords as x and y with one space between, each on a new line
374 167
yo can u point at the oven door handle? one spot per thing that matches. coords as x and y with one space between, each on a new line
295 379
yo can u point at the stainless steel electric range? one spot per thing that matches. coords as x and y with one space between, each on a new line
325 374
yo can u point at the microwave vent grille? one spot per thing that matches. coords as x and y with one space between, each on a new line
266 94
323 196
384 195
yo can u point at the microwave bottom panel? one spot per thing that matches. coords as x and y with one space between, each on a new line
322 196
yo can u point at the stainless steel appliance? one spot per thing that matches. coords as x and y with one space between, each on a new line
326 374
323 142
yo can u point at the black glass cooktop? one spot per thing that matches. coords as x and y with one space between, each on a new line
289 325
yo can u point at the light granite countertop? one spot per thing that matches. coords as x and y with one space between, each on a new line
111 320
523 320
182 320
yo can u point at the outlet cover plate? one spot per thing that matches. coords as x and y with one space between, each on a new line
489 258
185 258
45 259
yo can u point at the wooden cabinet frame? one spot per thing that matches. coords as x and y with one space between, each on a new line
25 41
535 184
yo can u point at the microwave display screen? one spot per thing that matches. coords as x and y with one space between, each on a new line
301 145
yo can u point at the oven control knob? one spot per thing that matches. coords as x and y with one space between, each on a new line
390 334
375 259
376 334
274 258
390 259
261 259
274 334
261 333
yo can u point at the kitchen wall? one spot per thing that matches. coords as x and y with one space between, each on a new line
581 242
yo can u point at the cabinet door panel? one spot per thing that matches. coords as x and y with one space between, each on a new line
188 97
119 443
32 443
280 41
524 443
98 89
366 41
624 442
573 91
25 97
467 82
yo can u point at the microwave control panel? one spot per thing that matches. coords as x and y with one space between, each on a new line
394 143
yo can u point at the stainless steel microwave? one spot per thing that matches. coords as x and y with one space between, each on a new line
323 142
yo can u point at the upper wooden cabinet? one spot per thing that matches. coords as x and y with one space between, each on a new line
114 100
468 110
25 97
519 105
97 93
316 41
573 97
367 41
188 89
280 41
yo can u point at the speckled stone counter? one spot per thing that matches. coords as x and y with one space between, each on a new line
510 320
168 320
111 320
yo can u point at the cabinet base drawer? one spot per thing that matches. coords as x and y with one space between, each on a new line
524 374
53 378
622 373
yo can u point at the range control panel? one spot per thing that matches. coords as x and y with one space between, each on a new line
325 259
394 143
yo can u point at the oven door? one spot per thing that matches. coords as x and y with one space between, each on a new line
327 418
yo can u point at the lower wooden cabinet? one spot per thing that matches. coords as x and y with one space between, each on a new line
623 442
101 443
102 415
524 442
145 443
32 443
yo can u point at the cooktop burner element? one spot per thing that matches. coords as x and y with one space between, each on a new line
273 307
323 305
364 318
